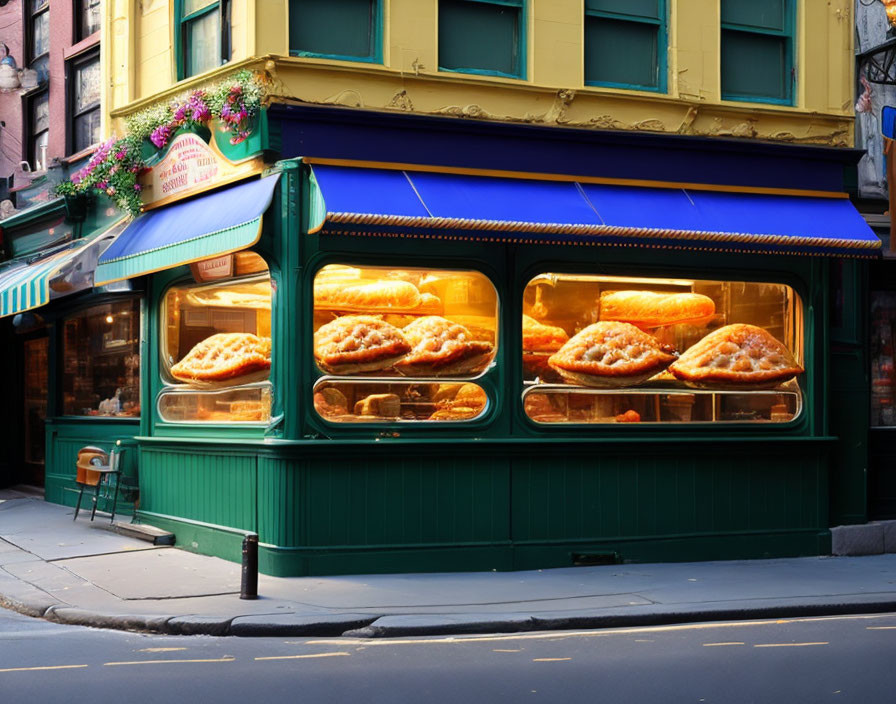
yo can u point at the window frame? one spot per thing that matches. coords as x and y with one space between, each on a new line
78 7
71 69
181 27
789 34
29 18
662 48
522 59
30 135
376 57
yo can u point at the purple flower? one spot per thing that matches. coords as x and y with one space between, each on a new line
120 154
138 187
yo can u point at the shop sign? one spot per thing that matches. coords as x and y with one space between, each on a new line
213 269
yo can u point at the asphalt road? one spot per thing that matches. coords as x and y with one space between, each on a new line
837 659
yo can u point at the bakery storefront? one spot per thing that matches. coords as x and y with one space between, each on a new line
418 363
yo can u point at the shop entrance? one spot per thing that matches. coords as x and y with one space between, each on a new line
34 398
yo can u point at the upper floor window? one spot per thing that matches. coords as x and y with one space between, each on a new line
625 43
38 129
38 30
203 35
482 36
87 18
338 29
757 50
84 111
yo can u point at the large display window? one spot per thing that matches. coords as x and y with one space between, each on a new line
101 361
402 345
216 344
883 342
607 349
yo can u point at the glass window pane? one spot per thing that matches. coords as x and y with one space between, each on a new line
89 18
101 361
639 8
243 404
38 5
40 35
333 27
203 50
765 14
87 85
621 52
754 65
86 130
191 6
40 113
603 349
883 354
479 36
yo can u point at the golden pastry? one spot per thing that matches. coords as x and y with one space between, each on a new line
329 401
648 309
358 343
611 354
538 337
442 348
223 357
737 355
374 296
379 405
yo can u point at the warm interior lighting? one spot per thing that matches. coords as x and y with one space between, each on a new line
109 318
891 11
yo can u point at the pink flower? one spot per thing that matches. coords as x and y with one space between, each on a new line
120 154
138 187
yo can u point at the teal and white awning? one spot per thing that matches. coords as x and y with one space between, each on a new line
27 285
219 223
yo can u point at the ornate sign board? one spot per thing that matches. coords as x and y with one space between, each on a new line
192 165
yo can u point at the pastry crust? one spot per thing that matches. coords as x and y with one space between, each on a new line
358 343
611 354
737 355
442 348
649 309
538 337
374 296
379 405
224 357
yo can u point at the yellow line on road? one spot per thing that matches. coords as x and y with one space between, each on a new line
158 650
788 645
45 667
880 628
713 645
550 659
508 650
166 662
300 657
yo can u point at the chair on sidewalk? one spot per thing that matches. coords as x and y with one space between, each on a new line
98 470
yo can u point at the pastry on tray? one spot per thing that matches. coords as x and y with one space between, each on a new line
538 337
379 405
329 401
375 295
224 357
649 309
740 356
611 354
353 344
442 348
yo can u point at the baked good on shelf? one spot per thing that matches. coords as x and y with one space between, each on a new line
353 344
611 354
224 357
649 309
542 408
247 411
538 337
329 401
456 413
255 295
630 416
738 355
442 348
379 405
373 296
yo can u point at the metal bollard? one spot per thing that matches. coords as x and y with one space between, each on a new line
249 582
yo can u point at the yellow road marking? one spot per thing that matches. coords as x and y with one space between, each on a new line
880 628
788 645
167 662
300 657
158 650
45 667
508 650
644 640
550 659
712 645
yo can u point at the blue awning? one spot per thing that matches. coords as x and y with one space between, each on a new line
225 221
555 209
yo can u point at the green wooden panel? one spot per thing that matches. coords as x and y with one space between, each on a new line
680 491
477 36
333 27
283 496
755 66
638 8
764 14
621 52
202 486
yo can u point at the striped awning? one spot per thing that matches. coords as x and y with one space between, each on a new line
25 285
400 201
225 221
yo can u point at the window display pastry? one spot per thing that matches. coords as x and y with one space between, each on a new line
442 348
538 337
737 355
224 357
354 344
649 309
379 405
376 295
611 354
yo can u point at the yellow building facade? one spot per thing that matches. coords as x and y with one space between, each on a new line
139 64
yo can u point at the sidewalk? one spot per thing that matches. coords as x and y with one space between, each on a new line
78 572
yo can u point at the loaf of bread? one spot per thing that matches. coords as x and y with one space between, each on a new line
649 309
